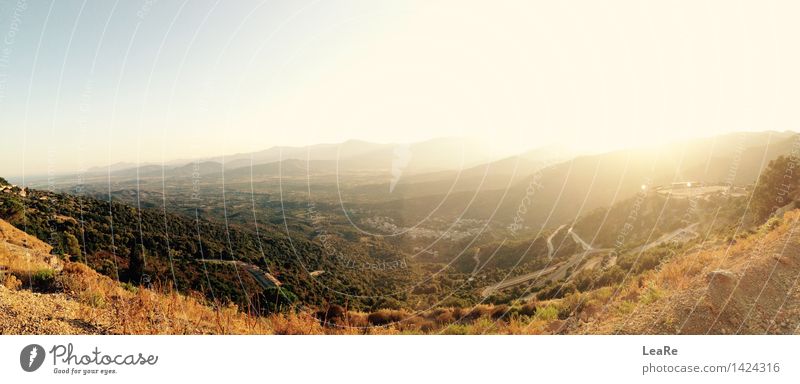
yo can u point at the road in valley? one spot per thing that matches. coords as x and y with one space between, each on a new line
477 259
559 270
550 248
687 232
264 279
586 246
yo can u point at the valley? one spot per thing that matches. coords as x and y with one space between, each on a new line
342 226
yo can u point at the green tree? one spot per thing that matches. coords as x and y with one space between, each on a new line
3 182
73 246
778 185
136 262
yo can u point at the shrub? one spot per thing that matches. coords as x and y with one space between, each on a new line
11 282
386 316
418 324
477 312
548 313
73 246
776 177
625 307
130 287
331 313
651 294
456 329
94 299
528 309
556 290
44 279
611 276
772 223
570 305
499 311
444 316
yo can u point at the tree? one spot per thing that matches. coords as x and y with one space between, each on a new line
3 182
73 246
136 262
777 186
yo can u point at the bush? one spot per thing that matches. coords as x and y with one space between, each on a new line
73 246
651 294
44 279
772 223
443 316
130 287
12 282
556 290
548 313
456 329
332 313
611 276
94 299
777 186
570 305
499 312
528 309
385 317
477 312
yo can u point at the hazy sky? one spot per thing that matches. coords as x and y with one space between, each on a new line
86 83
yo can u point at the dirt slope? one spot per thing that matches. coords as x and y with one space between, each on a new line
750 287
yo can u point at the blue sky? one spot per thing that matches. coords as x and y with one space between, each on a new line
87 83
106 80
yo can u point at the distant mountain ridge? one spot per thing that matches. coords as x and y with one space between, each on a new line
563 191
434 154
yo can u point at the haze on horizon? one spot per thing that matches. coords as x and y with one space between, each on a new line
86 84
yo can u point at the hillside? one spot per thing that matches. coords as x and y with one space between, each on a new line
42 294
150 246
747 286
567 190
665 260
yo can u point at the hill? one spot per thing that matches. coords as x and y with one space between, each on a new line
42 294
152 246
747 286
565 191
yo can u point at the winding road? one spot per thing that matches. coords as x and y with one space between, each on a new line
477 260
559 270
550 248
586 246
264 279
688 231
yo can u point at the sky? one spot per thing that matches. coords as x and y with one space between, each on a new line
88 83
